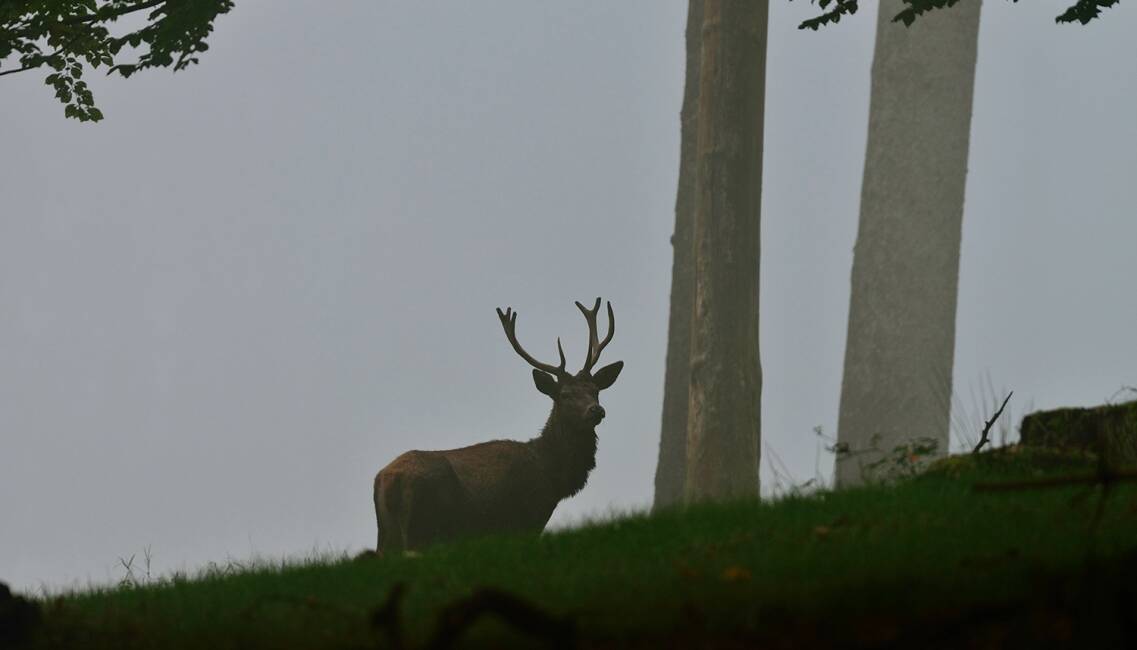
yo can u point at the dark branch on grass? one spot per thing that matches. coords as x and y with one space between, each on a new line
456 617
1111 477
983 438
388 616
1105 476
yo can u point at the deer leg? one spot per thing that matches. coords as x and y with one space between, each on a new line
390 539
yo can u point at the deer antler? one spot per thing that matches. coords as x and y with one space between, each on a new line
594 346
509 323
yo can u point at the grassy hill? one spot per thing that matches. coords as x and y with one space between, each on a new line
929 562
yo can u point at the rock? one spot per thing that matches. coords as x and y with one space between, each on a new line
1109 429
18 616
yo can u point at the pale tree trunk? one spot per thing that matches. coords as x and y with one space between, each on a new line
723 430
901 338
671 471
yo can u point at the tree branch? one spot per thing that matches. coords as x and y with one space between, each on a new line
21 69
105 13
24 30
1082 11
44 58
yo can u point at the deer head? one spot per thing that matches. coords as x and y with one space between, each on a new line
576 398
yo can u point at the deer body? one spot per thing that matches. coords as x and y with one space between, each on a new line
426 497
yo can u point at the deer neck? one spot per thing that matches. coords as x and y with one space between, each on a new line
568 454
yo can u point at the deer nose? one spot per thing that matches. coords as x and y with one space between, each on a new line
596 412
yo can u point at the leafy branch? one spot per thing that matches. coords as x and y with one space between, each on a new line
70 36
1083 11
840 8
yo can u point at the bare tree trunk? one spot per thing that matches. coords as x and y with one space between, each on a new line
671 472
726 380
901 337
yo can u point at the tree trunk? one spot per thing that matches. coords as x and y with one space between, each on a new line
726 380
901 338
671 471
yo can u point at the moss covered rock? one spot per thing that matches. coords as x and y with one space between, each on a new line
1109 429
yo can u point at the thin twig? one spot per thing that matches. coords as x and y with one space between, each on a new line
987 427
1121 391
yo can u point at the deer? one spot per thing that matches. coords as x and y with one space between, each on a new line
501 486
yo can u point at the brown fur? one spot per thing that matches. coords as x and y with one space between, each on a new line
426 497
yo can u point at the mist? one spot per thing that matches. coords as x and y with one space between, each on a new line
226 306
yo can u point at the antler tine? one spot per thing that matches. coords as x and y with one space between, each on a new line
611 331
509 324
590 318
594 345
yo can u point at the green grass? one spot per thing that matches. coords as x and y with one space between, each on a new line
880 564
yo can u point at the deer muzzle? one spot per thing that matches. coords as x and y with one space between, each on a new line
595 413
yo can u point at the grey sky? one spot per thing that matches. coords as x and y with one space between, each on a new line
226 306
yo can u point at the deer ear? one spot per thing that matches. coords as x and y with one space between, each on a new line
546 383
606 376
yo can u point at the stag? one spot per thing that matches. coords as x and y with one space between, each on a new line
426 497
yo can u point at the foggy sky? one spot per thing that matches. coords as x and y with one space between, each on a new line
225 307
